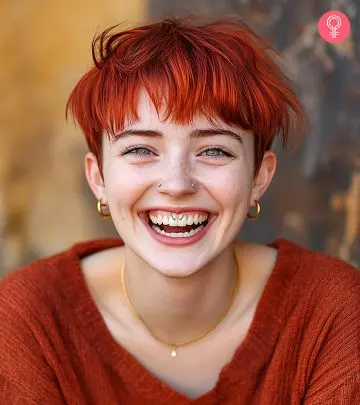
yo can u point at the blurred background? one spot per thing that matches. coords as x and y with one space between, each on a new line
45 203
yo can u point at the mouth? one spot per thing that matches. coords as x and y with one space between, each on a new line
192 228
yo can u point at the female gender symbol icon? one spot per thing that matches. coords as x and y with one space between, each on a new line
334 26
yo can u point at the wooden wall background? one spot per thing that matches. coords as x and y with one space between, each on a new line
45 203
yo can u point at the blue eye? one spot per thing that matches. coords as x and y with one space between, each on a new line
220 153
142 151
138 151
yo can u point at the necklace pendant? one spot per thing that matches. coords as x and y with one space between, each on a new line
173 353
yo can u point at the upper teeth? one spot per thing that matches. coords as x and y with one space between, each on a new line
182 219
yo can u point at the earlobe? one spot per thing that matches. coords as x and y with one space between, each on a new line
264 176
94 177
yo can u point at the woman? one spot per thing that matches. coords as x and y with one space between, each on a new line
180 118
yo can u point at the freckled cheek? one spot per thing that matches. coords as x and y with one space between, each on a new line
124 188
229 188
230 192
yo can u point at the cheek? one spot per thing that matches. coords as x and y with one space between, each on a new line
125 179
231 186
124 187
234 193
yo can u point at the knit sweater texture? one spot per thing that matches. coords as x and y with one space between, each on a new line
303 345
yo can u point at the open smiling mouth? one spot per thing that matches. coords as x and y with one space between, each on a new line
174 231
177 229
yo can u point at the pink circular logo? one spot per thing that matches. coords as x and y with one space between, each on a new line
334 26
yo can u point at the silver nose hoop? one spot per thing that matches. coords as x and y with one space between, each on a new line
193 185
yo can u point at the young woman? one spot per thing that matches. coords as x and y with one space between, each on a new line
180 117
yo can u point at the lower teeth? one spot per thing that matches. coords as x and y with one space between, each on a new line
178 234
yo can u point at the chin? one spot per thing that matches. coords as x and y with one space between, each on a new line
174 271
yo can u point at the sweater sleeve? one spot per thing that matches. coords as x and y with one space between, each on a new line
335 360
347 394
25 376
9 394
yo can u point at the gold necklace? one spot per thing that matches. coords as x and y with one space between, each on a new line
173 347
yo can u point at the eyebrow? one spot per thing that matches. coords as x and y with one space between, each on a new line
197 133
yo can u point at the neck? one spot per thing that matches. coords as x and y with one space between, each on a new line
177 310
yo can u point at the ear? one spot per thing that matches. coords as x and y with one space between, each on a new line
94 177
264 177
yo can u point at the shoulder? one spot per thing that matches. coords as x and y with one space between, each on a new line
316 293
35 314
325 297
28 288
319 298
27 310
326 292
29 284
317 271
40 293
34 297
28 301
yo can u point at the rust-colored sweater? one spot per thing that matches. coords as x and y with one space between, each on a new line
303 346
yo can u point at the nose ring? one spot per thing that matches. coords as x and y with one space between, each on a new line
193 185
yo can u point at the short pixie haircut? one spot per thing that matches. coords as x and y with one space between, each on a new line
219 68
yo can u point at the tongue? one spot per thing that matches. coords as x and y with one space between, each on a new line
176 229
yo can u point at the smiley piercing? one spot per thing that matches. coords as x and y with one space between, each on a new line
181 216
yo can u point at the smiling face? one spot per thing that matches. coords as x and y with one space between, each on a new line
217 158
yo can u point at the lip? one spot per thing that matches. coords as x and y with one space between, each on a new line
167 240
178 210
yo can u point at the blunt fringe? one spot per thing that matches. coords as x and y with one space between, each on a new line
220 68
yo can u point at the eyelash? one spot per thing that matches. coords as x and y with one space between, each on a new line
129 149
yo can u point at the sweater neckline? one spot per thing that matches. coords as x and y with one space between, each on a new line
253 352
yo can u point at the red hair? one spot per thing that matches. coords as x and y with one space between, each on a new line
220 69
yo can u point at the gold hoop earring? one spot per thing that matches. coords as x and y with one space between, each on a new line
100 206
258 210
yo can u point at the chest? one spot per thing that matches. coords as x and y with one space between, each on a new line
195 370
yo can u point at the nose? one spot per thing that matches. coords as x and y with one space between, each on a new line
177 180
